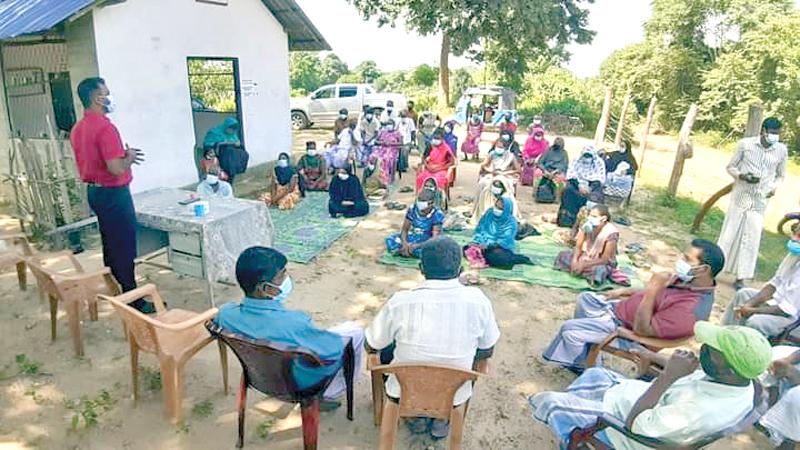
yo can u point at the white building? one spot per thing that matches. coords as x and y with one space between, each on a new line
142 49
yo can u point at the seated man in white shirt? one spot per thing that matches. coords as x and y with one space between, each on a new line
212 186
441 322
681 406
777 304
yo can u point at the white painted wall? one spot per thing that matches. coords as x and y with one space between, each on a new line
142 46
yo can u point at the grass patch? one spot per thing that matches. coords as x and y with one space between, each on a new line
203 409
263 428
150 379
26 366
86 411
671 219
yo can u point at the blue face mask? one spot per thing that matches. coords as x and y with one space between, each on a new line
286 289
793 247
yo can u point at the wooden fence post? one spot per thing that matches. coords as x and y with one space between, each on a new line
621 124
684 150
645 133
600 133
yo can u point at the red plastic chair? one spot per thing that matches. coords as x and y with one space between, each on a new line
268 368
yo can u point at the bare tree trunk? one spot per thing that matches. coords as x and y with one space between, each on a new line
444 72
600 133
684 150
621 124
646 132
755 116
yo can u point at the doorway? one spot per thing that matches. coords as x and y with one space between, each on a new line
63 106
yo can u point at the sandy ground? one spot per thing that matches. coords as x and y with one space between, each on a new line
345 283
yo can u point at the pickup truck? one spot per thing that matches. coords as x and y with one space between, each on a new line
321 108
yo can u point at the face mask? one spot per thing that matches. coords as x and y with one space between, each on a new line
286 289
389 127
109 104
793 247
506 138
773 138
344 176
587 157
623 150
448 130
368 116
538 138
436 142
283 163
422 205
312 152
497 190
428 187
556 146
595 221
497 211
343 116
212 179
684 271
209 157
499 151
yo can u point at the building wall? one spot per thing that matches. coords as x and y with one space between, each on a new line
80 55
6 194
142 46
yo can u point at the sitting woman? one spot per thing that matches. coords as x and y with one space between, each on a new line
535 147
552 168
500 166
311 168
436 162
494 244
595 254
346 196
621 168
210 163
341 154
450 137
423 222
286 188
585 179
439 200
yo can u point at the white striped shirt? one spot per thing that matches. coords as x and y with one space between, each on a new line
769 164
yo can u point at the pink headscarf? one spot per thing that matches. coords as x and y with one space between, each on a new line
533 148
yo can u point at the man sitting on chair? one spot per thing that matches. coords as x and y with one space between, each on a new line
681 406
441 322
777 304
261 273
666 308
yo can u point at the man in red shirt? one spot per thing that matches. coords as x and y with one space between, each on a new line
104 165
666 308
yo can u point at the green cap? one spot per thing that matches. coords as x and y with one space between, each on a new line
747 351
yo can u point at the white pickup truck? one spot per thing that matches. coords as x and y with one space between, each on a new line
321 108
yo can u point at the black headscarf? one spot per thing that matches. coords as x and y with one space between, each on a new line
284 174
346 190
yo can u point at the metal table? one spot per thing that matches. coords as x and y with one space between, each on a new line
201 247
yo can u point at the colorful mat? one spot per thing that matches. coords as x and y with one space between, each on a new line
543 251
306 231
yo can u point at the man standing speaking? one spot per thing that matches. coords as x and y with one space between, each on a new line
104 165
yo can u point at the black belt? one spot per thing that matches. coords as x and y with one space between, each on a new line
100 186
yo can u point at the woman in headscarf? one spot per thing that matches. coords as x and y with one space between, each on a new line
535 147
621 169
286 188
595 254
474 132
500 166
507 123
225 133
436 162
450 137
585 178
387 152
439 196
311 168
507 137
494 244
224 139
342 154
346 196
553 166
423 222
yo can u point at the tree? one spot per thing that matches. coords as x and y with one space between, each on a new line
368 71
332 68
304 71
424 75
513 30
460 79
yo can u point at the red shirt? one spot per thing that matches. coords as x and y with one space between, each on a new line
96 140
676 310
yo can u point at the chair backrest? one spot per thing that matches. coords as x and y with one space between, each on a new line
140 327
427 390
44 278
269 366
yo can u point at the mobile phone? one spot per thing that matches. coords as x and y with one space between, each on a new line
189 201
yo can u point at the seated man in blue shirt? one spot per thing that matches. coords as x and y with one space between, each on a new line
261 273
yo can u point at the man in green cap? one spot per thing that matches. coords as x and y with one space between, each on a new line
682 405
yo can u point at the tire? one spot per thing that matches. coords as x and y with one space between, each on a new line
299 120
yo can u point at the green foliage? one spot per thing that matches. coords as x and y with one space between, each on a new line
27 367
150 378
212 82
86 412
368 71
263 428
203 409
304 73
331 69
424 75
557 90
460 80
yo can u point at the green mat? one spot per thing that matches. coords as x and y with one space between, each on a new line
304 232
543 251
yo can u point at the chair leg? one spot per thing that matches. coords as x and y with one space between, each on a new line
241 404
134 369
22 275
223 361
74 320
457 417
391 414
53 316
309 411
377 397
168 386
594 353
92 304
177 394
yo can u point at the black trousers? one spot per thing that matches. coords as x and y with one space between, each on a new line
116 219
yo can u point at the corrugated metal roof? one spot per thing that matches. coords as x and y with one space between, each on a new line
19 17
303 35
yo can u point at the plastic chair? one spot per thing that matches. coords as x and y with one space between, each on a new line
72 291
428 391
12 257
653 344
581 438
268 367
174 336
785 337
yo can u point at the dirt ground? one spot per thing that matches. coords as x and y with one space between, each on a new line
345 283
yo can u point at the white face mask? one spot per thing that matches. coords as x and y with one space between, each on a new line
499 151
422 205
773 138
344 176
497 211
538 138
448 130
343 116
506 138
389 127
595 221
110 104
286 289
497 190
212 179
283 163
684 270
436 142
312 152
623 149
368 116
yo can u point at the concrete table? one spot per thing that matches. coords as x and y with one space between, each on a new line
202 247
